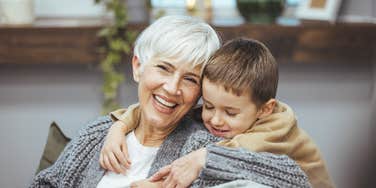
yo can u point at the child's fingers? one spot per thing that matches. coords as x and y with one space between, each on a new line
101 162
107 163
169 182
115 164
121 158
164 171
124 150
121 153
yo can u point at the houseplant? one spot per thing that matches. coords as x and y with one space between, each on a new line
260 11
118 42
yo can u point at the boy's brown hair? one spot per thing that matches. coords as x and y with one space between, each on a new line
244 65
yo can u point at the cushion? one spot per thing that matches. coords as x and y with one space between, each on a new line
55 144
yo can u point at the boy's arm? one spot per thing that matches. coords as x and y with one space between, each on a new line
228 164
216 165
128 117
114 153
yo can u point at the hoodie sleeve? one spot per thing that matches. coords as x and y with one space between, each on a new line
129 117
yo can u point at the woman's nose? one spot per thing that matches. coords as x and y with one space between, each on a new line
172 86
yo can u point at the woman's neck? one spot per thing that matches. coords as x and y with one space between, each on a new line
150 136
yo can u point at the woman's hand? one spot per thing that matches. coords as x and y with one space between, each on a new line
147 184
114 153
183 171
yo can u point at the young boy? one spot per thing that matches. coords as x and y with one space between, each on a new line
239 87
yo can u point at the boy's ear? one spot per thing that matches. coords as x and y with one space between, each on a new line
136 66
267 108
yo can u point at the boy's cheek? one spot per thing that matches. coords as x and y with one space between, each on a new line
206 125
205 117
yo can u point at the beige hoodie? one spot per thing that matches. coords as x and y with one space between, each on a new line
278 133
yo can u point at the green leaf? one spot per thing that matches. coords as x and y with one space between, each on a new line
103 32
126 48
116 45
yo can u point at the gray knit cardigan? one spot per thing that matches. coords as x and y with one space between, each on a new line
78 164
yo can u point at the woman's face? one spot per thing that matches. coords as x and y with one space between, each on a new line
167 90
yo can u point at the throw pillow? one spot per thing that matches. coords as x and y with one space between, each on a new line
55 144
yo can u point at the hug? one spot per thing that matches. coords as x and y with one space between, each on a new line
241 135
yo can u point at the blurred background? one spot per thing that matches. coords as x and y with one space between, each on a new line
68 62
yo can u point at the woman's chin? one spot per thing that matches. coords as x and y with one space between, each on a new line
158 122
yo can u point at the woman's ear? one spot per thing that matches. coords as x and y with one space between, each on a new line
136 66
267 108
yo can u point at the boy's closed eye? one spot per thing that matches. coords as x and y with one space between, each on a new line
208 106
231 113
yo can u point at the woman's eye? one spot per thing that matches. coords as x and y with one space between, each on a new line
191 80
162 67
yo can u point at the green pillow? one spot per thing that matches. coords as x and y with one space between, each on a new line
55 144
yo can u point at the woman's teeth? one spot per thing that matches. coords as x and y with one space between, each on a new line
164 102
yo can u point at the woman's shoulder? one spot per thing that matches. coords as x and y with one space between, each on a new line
77 155
100 125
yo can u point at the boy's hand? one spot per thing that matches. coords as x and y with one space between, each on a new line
114 153
146 183
183 171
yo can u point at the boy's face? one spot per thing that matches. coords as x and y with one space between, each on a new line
225 114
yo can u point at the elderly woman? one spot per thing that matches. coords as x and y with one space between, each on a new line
167 62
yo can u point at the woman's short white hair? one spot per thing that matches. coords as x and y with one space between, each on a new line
182 38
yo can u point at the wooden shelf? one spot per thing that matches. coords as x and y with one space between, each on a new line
74 41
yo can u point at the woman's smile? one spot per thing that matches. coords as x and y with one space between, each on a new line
163 104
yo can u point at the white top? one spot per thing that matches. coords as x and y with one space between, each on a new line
141 157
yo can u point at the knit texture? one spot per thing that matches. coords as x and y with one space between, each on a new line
78 165
69 168
263 168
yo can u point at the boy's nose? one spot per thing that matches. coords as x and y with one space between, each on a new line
216 120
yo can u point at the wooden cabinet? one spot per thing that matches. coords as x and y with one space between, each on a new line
75 41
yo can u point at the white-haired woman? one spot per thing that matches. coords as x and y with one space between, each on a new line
167 62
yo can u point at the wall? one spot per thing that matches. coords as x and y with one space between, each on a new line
351 8
31 97
333 105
